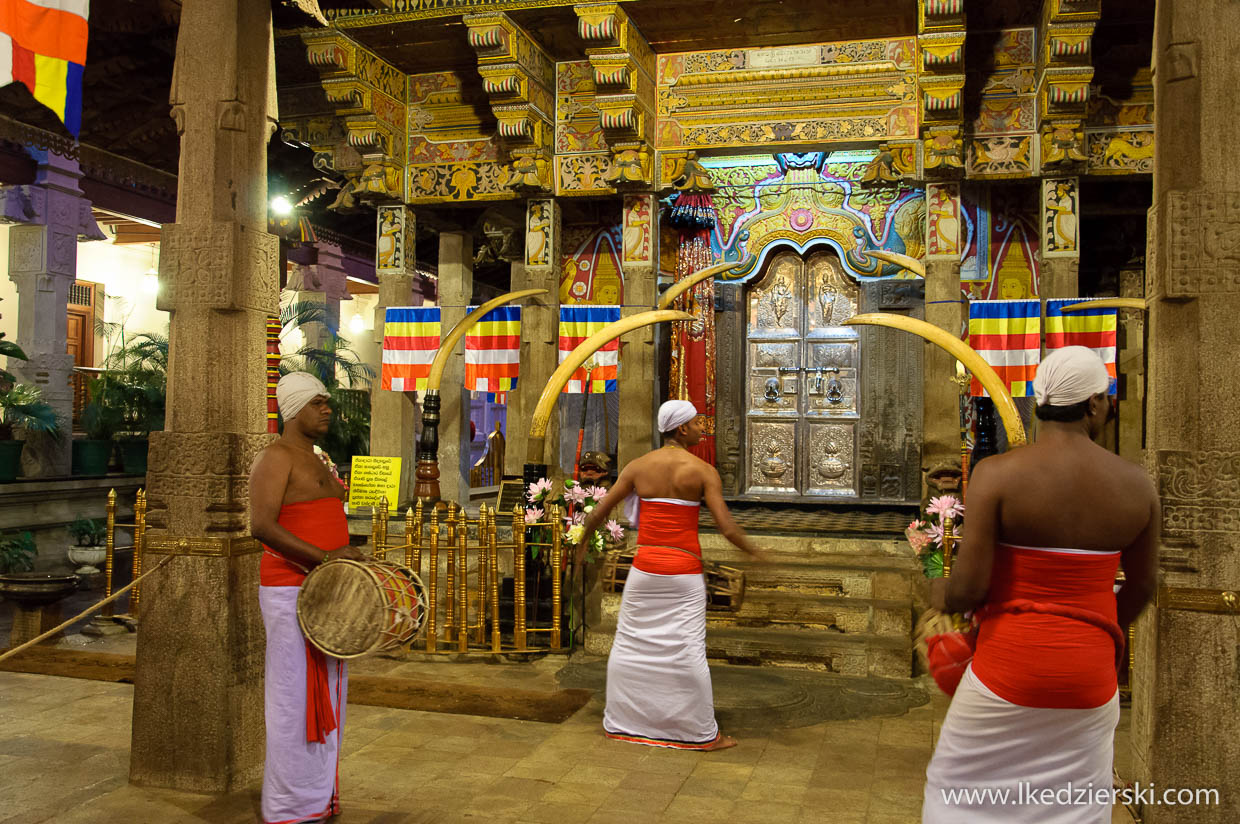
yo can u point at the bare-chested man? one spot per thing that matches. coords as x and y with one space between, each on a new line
658 684
1048 525
297 512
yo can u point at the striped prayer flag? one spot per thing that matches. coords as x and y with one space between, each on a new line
1007 334
410 341
493 351
273 372
43 46
1092 328
578 322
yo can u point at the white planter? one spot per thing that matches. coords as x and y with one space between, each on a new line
87 557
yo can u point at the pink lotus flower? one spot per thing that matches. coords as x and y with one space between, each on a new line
538 490
533 516
574 520
935 533
916 524
917 539
617 531
575 494
597 493
945 506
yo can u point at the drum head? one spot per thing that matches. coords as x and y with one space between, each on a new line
340 609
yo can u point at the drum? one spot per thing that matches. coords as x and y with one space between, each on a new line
349 608
725 585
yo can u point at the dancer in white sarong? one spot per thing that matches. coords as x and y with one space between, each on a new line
1030 731
658 684
296 511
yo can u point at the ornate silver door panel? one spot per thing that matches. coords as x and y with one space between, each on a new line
802 398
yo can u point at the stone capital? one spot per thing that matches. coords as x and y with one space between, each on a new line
1200 492
219 266
1194 244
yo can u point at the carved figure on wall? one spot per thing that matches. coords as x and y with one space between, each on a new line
637 229
538 234
943 216
1063 144
1060 227
388 252
781 296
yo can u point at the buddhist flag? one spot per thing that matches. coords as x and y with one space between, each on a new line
43 45
578 322
1007 334
410 341
1092 328
493 351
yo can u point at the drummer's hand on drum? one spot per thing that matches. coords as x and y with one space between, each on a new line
348 553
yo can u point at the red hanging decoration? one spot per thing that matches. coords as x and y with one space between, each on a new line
692 376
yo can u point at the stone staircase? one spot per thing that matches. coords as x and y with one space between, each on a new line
842 605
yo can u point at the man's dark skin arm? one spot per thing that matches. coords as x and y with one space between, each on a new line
970 579
268 481
1140 563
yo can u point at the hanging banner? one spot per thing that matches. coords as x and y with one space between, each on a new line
410 341
1007 334
577 323
1094 329
493 351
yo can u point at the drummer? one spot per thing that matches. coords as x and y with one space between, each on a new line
297 512
658 685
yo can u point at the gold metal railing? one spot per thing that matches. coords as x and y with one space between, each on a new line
464 615
139 536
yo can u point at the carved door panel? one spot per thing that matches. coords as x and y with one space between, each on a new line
802 394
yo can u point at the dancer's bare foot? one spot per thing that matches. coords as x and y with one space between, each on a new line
721 742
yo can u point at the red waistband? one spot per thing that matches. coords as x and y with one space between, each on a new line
320 522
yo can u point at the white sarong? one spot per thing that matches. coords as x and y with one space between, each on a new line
989 747
658 684
299 777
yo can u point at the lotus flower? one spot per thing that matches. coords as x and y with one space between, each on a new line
538 490
575 533
575 494
533 516
945 506
617 531
935 533
597 493
917 539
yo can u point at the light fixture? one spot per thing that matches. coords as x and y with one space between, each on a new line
357 325
150 280
280 205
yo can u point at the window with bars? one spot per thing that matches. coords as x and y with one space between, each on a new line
81 294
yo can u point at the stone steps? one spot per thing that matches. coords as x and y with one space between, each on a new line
834 604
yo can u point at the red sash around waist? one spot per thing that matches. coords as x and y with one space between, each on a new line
667 538
1049 636
320 522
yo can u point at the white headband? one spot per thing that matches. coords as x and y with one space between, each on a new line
295 390
675 413
1069 375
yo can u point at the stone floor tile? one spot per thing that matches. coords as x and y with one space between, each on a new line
693 808
828 815
719 770
780 774
763 812
841 779
901 761
757 790
552 813
720 788
641 803
540 770
902 733
581 794
605 816
652 782
602 778
851 799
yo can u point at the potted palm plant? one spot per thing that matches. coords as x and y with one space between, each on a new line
21 407
102 417
88 548
142 367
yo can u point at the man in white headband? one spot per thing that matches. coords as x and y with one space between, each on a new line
297 512
1047 527
658 684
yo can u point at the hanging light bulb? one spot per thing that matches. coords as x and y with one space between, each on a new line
281 205
356 324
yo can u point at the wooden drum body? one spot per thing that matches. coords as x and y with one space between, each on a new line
349 608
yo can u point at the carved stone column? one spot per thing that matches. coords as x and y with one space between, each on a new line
944 309
456 288
394 415
638 380
52 216
1185 727
198 692
1060 256
1131 367
540 329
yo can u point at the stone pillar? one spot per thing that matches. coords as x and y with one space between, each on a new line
638 364
52 215
456 288
944 309
1185 724
1131 367
198 691
540 330
1060 258
394 415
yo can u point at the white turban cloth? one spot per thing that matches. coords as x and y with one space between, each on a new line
1070 375
675 413
295 390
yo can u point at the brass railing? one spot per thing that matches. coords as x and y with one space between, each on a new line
464 615
139 534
